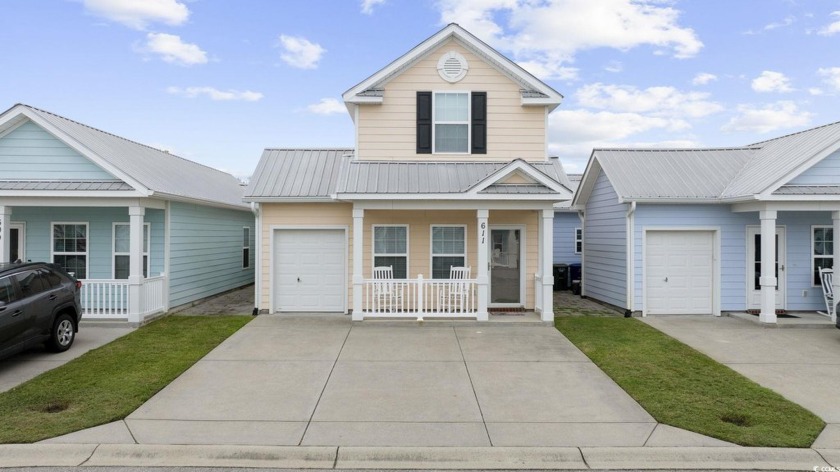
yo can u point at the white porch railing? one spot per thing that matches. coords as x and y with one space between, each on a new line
109 299
419 298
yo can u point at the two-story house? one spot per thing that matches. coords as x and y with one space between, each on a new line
442 209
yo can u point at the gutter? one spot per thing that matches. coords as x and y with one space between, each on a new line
255 208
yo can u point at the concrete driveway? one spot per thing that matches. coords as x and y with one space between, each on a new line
803 365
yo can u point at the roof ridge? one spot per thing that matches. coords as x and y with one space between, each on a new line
709 149
348 148
124 139
762 143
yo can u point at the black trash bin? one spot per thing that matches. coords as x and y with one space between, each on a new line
561 277
575 277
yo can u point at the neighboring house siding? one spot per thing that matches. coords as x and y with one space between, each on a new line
825 172
564 237
733 242
30 152
388 131
100 234
605 248
206 251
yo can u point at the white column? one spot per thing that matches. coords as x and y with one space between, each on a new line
538 286
835 280
358 276
5 233
547 261
768 266
135 263
482 277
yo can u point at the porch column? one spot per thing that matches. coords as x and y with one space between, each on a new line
5 233
482 279
135 264
768 266
835 280
358 276
547 264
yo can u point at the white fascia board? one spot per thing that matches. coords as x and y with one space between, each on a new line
542 102
448 196
77 146
59 194
525 168
84 201
587 181
449 205
767 192
823 205
288 200
356 100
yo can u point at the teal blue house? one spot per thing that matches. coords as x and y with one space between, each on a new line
144 230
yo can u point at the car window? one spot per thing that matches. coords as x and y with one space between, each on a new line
7 290
30 283
52 278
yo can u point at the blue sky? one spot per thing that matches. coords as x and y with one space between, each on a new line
217 81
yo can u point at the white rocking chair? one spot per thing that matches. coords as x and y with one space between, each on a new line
387 295
826 279
455 296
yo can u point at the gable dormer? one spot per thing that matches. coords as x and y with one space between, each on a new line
451 98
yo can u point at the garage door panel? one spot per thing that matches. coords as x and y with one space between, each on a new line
309 270
679 272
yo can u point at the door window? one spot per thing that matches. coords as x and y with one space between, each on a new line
757 262
505 260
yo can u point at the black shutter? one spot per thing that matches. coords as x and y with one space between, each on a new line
424 122
479 123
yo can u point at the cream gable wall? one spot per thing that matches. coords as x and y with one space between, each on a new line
388 131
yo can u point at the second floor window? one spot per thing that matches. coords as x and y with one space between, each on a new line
452 122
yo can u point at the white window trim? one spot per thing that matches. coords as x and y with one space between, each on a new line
578 240
432 254
246 245
374 255
814 256
147 251
53 253
468 122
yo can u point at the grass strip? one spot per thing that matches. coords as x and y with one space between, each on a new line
108 383
682 387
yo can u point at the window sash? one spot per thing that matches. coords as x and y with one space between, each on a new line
122 254
822 251
441 235
69 244
246 247
451 122
390 248
578 240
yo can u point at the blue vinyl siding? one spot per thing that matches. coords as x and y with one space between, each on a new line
564 237
605 247
825 172
30 152
100 221
733 240
206 251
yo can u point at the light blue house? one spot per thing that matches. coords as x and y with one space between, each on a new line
144 230
712 230
568 230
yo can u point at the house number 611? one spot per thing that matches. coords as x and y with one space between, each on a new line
483 226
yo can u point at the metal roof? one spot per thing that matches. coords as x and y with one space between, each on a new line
672 173
296 173
574 181
158 171
808 190
89 185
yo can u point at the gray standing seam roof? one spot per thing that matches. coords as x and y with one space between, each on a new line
808 190
87 185
156 170
297 173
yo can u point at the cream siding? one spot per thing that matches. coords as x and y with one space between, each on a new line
388 131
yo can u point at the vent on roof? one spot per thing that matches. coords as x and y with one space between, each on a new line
452 67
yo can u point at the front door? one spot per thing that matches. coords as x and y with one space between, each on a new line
16 238
506 260
754 268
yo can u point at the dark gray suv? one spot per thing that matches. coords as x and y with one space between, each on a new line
39 303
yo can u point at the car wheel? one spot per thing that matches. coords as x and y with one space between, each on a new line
63 333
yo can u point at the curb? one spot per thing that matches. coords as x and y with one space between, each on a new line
441 458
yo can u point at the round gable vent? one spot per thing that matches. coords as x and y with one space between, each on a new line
452 67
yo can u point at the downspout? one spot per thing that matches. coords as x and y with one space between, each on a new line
255 208
581 217
631 287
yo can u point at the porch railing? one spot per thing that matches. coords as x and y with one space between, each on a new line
110 298
419 298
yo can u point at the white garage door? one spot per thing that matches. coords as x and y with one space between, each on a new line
309 270
679 272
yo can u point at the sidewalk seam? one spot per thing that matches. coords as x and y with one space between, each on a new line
335 461
472 385
321 395
130 432
651 433
583 458
822 457
89 456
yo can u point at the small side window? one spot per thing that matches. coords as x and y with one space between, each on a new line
7 290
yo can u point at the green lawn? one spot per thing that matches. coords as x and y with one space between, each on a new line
108 383
682 387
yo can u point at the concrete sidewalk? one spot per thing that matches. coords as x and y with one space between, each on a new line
438 458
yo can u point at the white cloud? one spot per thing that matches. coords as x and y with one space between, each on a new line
300 52
770 117
138 14
549 71
656 101
173 50
789 20
815 91
703 78
327 106
614 67
831 77
216 94
585 126
368 6
550 33
771 81
832 28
